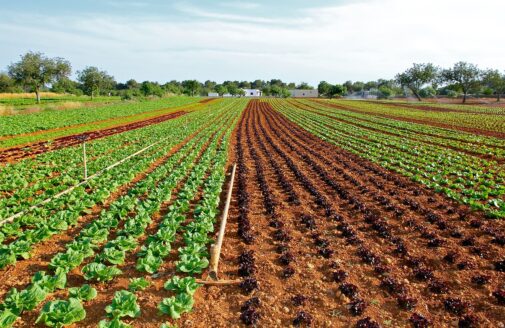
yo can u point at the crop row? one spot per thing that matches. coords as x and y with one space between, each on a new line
471 180
18 124
419 267
479 121
31 180
457 140
144 199
64 212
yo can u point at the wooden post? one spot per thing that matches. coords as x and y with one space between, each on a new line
218 282
216 248
85 161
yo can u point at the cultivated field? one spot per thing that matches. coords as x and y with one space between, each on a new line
343 214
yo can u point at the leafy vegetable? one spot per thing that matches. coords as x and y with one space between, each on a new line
175 306
61 313
137 284
124 304
83 293
114 323
186 285
100 272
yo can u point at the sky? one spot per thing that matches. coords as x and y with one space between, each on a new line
295 40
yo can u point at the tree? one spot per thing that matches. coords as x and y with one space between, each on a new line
370 85
323 88
385 92
417 76
191 87
93 80
6 83
358 86
36 71
66 85
233 89
493 79
245 85
220 89
151 89
336 90
463 75
132 84
173 87
304 86
258 84
349 86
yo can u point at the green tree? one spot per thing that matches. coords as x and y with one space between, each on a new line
132 84
336 90
93 80
221 89
417 76
385 92
234 90
258 84
173 87
36 71
323 88
191 87
464 75
151 89
304 86
65 85
496 81
6 83
245 85
358 86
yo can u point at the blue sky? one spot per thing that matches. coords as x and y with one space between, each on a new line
244 40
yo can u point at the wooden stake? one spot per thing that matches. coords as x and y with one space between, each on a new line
85 161
218 282
216 248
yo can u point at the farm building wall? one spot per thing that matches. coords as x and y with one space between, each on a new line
304 93
252 92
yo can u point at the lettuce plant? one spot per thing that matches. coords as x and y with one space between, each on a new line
124 304
100 272
176 305
137 284
83 293
186 285
61 313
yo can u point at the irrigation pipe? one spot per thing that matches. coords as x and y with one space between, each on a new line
31 208
216 248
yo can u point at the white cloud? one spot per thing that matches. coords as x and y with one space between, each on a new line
240 5
357 40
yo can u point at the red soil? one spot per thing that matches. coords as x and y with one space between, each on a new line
364 219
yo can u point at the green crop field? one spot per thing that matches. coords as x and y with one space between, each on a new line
132 241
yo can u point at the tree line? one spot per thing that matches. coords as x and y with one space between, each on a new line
35 72
426 81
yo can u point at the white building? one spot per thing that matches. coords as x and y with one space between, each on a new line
252 92
300 93
213 94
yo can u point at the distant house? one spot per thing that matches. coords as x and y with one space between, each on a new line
304 93
213 94
362 95
252 92
227 95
